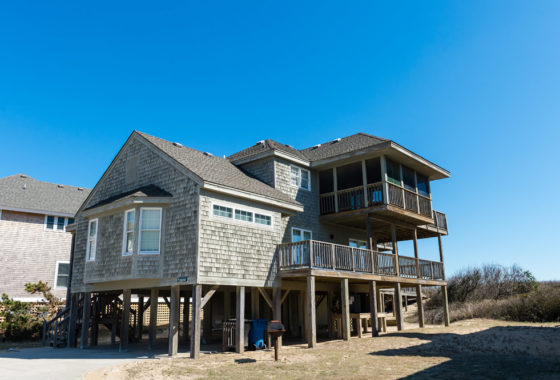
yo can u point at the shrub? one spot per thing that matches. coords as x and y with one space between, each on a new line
19 322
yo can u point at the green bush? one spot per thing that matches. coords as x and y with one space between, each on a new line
19 322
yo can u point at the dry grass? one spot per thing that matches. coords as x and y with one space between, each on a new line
468 349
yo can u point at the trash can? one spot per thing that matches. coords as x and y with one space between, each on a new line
256 335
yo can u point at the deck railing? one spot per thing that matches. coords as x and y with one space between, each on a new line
372 195
322 255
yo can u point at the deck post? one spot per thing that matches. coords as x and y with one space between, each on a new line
335 189
195 324
373 309
255 303
415 242
440 245
174 320
329 313
397 305
420 305
364 182
445 305
73 318
311 313
277 308
154 295
86 310
345 297
140 318
186 304
240 320
125 321
395 248
385 191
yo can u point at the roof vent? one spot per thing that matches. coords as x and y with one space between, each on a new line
178 144
289 146
208 154
80 189
260 142
316 146
24 186
23 176
60 186
337 140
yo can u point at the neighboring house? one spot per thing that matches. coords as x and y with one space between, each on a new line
306 236
34 244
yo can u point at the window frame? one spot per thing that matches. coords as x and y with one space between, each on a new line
234 208
56 274
89 256
125 252
140 252
262 215
299 176
244 214
55 223
302 230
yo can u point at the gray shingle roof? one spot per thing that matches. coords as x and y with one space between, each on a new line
266 146
344 145
216 170
23 192
144 191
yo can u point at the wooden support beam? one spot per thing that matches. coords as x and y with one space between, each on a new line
208 295
285 295
311 313
445 305
420 305
140 324
71 342
240 320
320 300
154 294
395 248
277 310
195 324
86 310
440 245
255 298
373 309
125 321
415 243
397 306
186 305
330 297
94 322
174 321
266 297
166 300
345 297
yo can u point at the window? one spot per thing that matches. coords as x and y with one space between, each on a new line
226 212
92 240
423 185
299 234
263 219
57 223
62 274
244 215
408 179
60 224
357 243
150 230
128 239
393 172
50 222
300 177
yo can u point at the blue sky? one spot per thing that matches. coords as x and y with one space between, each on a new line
473 86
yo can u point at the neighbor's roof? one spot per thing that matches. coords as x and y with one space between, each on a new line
21 192
141 192
344 145
216 170
264 146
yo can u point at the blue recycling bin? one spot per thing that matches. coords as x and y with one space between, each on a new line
256 335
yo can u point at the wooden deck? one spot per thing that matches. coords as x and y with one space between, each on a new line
334 260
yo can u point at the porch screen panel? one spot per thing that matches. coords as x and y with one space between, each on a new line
393 172
326 184
373 170
349 176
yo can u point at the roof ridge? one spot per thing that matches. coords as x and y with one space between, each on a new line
23 175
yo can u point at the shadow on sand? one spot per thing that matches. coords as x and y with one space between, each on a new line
503 352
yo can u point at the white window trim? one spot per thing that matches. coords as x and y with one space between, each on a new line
140 252
302 230
55 224
56 275
89 257
300 170
233 220
125 232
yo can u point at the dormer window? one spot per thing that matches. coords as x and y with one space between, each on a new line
300 177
